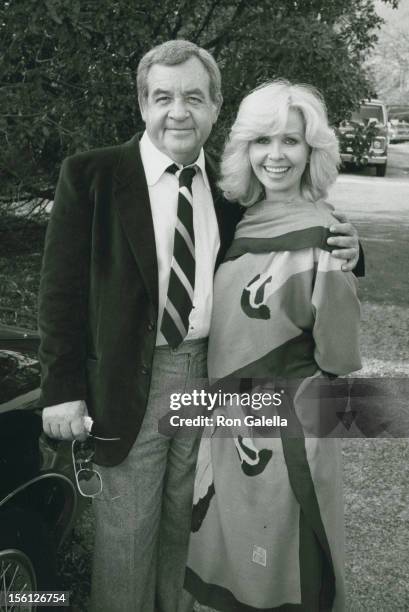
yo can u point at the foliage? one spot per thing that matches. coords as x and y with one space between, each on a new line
67 76
389 63
21 243
357 141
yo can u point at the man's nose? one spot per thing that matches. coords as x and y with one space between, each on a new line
178 110
275 149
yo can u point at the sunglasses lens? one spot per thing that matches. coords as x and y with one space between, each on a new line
89 482
83 451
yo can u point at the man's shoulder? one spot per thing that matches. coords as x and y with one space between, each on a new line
99 160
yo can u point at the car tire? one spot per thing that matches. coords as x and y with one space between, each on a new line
26 544
381 170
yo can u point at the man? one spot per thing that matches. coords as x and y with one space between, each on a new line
112 341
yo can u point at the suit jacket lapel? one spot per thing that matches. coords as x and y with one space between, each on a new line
132 198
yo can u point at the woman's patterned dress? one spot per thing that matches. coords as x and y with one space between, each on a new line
267 530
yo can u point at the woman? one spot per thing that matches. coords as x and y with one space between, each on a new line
267 530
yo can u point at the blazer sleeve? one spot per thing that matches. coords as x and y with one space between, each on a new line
336 310
359 270
63 296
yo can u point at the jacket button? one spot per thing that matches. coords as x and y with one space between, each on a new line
151 327
145 370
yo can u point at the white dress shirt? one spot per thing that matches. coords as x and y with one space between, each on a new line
163 194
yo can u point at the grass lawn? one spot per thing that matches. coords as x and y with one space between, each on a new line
387 263
375 471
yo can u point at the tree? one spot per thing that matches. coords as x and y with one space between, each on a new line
390 65
67 76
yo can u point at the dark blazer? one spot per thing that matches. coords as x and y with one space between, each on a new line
98 301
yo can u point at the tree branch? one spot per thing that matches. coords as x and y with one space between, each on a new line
179 19
227 33
206 20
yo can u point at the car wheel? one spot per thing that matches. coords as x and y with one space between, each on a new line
381 170
16 574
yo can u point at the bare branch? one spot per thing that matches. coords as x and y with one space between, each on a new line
179 18
230 32
207 19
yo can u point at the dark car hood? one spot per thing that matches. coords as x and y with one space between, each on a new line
18 338
19 368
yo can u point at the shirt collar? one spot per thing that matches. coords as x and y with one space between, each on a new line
155 162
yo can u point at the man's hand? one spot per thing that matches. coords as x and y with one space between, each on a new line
66 421
348 244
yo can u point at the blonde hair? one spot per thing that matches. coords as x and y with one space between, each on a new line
265 111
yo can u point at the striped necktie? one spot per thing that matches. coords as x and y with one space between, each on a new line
179 302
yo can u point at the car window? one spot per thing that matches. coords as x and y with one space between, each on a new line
368 112
19 380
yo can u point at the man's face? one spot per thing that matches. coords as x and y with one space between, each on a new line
178 112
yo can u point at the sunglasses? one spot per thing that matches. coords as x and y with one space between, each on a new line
88 479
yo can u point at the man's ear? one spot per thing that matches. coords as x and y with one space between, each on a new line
142 106
217 108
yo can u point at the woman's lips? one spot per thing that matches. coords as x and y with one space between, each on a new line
276 170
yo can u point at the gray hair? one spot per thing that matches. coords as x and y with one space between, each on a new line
265 111
175 52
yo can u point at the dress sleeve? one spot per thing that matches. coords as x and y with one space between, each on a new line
336 310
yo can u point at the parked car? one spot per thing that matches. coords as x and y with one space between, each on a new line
38 498
364 137
398 111
398 130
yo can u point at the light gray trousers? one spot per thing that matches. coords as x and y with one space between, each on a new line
143 518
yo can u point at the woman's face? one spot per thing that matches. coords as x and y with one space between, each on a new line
279 161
